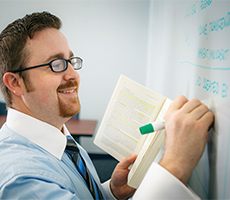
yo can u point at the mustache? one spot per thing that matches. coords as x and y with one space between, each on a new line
68 85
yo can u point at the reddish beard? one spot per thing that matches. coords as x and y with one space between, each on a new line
67 110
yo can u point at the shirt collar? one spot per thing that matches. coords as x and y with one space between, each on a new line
42 134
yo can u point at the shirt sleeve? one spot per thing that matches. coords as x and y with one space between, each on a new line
32 188
158 183
107 191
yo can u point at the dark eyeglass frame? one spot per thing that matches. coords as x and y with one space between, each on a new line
51 67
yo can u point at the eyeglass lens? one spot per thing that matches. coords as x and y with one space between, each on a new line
59 65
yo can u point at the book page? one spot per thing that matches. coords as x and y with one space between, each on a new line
131 106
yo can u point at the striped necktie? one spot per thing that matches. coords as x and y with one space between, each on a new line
73 151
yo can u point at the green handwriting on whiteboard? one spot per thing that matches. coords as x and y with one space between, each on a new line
215 25
206 67
212 86
211 54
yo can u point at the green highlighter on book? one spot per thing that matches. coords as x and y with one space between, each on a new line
152 127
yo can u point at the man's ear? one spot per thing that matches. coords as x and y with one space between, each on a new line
12 82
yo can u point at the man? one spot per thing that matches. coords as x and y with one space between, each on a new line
40 87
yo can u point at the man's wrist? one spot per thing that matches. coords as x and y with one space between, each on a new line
176 169
110 189
107 190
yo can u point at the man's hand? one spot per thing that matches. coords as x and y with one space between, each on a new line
186 124
118 183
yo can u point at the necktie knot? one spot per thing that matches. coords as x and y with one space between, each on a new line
71 146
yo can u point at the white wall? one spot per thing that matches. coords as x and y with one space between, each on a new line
190 54
111 37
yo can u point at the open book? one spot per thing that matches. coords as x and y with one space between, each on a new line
132 106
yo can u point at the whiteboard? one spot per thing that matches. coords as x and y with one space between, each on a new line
189 54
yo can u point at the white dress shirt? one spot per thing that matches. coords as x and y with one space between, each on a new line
157 184
43 140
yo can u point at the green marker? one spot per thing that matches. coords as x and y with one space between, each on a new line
152 127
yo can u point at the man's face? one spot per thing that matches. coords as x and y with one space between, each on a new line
50 96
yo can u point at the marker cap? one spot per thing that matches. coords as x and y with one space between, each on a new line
146 129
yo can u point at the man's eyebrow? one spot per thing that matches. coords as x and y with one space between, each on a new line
71 54
58 55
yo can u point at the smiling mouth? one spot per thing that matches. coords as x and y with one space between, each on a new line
68 88
67 91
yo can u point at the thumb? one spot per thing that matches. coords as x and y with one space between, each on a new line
127 161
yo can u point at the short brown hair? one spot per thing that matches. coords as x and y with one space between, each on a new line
13 38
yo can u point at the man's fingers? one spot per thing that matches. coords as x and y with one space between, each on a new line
199 111
127 161
191 105
178 103
207 119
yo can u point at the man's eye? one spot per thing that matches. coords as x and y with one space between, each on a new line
57 65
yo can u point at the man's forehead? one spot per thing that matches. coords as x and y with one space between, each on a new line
48 44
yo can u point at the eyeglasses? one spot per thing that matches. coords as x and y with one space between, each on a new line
58 65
